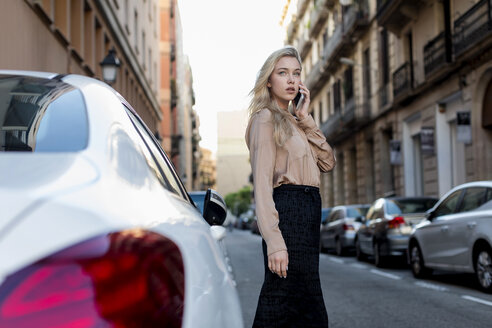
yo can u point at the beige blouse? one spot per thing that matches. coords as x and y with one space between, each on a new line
299 161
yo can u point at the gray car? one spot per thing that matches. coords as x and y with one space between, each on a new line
457 234
388 225
339 229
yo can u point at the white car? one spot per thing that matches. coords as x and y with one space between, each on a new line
96 229
456 235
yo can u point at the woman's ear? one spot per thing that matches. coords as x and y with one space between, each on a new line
269 84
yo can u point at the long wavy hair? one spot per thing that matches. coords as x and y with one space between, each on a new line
262 96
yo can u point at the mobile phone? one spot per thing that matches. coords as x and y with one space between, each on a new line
299 100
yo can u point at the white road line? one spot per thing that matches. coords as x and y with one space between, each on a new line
334 259
431 286
358 266
478 300
385 274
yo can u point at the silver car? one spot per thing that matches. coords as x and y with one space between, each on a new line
457 234
338 231
388 226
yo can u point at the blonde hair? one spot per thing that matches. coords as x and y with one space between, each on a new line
262 97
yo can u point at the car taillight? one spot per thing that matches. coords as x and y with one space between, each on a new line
396 222
348 227
132 278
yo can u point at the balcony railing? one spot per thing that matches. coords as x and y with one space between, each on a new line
333 43
402 79
434 54
315 74
318 17
472 27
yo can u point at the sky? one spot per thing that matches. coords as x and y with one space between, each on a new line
227 41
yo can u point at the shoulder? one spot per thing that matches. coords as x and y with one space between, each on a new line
263 116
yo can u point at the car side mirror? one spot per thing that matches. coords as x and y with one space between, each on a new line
214 208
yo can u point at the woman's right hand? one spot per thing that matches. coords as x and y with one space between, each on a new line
278 263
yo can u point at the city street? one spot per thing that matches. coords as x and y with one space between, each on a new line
357 294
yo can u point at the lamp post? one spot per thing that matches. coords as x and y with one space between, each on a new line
109 66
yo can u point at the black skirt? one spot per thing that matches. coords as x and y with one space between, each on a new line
296 301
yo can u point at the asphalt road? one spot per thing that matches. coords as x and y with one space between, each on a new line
357 294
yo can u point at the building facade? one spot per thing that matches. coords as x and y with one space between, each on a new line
73 36
400 88
179 127
233 168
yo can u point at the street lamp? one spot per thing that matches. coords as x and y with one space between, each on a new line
109 66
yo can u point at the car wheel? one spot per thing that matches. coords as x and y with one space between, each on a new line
483 269
378 258
338 247
417 262
358 252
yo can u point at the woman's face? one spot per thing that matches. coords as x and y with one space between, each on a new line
284 80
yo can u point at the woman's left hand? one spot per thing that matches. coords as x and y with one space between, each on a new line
303 112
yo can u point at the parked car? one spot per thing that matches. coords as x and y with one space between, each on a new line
387 227
456 235
96 227
246 219
325 212
339 230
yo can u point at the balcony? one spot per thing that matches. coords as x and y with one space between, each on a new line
395 14
318 17
314 80
472 27
434 54
333 45
356 18
341 125
292 29
304 46
302 5
402 81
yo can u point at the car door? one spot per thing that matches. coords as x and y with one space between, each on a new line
462 227
433 237
373 219
331 228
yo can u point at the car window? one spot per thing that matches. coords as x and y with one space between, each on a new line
411 205
333 216
448 206
164 171
488 197
41 115
355 212
473 198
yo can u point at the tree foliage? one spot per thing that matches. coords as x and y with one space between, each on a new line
238 202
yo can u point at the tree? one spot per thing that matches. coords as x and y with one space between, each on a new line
239 202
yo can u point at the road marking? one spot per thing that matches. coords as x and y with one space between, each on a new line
385 274
358 266
334 259
478 300
430 286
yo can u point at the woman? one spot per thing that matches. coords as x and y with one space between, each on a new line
287 152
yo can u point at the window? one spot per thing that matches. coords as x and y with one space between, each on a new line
162 167
448 206
474 197
41 116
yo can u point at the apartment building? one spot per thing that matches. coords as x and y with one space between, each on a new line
179 126
233 168
401 90
73 36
